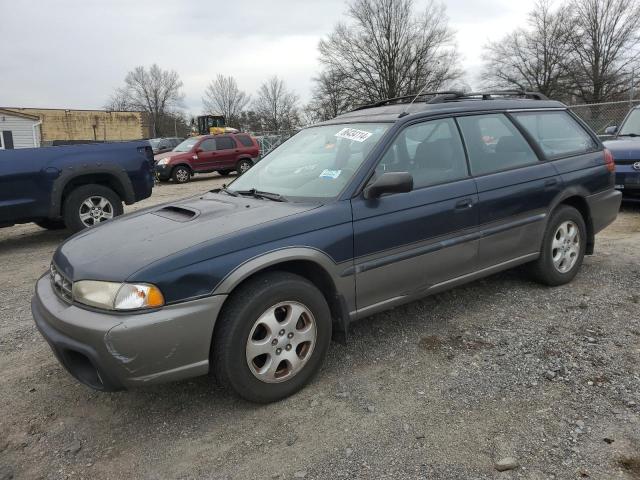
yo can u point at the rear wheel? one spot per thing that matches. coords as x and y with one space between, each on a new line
244 165
563 247
90 205
271 337
181 174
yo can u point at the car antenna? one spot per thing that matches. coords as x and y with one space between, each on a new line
405 113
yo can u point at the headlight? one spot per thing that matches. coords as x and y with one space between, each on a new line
164 161
117 296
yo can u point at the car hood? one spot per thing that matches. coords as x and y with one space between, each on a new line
171 154
624 148
117 249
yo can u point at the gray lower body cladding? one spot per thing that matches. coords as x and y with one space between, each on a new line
116 351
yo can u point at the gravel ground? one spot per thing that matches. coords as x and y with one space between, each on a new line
499 374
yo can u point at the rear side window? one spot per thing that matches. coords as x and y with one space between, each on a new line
556 132
245 140
224 143
431 151
494 144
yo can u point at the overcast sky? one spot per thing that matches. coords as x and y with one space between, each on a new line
73 53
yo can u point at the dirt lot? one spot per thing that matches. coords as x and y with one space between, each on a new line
441 388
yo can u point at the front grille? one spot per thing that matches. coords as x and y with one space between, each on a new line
61 285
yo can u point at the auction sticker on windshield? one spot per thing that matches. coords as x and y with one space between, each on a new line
333 174
353 134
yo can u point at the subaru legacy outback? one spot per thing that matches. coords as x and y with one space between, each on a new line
370 210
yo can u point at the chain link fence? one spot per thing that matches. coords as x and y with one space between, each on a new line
599 116
270 140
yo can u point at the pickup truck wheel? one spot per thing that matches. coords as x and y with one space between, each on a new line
563 248
90 205
271 337
51 224
243 166
181 174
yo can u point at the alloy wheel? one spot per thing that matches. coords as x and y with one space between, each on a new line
281 342
94 210
565 247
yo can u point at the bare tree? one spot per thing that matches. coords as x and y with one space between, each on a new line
118 101
605 48
276 106
155 91
329 99
223 97
389 50
533 58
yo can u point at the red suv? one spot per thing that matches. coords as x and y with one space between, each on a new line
209 153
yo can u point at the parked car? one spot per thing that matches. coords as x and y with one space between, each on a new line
208 153
74 186
370 210
162 145
625 147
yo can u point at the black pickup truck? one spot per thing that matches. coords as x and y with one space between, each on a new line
74 186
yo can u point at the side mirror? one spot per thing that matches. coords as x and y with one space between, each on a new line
390 182
612 130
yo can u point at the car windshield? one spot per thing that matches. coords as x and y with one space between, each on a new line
316 163
632 124
186 145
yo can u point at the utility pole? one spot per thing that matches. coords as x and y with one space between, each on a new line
632 92
175 126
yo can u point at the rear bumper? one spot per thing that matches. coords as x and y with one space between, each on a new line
604 207
114 351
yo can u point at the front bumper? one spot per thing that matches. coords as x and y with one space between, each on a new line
114 351
628 180
163 171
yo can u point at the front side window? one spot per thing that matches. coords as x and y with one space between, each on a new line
431 151
316 163
208 145
225 143
631 126
556 132
494 144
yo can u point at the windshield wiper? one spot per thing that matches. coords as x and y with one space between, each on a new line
227 191
628 135
276 197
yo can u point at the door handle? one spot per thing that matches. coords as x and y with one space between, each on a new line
550 182
464 204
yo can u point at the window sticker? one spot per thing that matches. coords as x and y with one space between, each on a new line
353 134
332 174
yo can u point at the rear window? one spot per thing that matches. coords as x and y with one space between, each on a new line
557 133
245 140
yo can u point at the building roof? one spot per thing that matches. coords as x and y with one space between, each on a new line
13 113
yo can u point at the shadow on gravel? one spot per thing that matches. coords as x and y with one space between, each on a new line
30 239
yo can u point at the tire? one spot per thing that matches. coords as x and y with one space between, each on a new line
77 212
569 255
224 172
241 322
181 174
50 224
243 165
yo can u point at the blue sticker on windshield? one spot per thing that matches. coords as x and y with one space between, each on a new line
333 174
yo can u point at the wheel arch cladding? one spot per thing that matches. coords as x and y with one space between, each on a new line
309 269
580 204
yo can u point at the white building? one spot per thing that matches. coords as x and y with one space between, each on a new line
18 130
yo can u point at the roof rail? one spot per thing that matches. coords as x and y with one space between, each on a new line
404 98
454 95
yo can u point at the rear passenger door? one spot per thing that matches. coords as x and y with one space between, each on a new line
407 242
515 189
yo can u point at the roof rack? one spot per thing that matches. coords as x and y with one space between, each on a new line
454 95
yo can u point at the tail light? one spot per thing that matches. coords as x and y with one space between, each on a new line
608 160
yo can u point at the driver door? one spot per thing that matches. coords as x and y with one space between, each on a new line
407 243
206 155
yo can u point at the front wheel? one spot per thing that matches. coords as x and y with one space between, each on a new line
90 205
271 337
563 247
181 174
243 166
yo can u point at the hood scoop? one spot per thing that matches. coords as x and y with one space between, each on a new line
177 214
